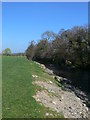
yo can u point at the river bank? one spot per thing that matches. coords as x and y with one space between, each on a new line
68 87
66 98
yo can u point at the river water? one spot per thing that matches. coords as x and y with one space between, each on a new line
79 78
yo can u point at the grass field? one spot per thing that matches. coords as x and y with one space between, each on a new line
18 90
0 87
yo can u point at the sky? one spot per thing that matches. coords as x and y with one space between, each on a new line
26 21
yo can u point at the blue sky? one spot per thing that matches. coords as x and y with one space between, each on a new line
26 21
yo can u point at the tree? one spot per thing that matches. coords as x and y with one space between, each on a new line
48 35
41 49
30 51
68 46
7 51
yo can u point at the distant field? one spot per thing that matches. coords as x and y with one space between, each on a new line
18 89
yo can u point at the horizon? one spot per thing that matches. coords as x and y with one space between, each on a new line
23 22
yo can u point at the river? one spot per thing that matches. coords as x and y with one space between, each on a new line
79 78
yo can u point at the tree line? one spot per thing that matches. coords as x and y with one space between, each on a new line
69 48
8 52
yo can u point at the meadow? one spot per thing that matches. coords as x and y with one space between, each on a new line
0 86
17 89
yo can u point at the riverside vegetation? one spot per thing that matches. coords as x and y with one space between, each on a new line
68 48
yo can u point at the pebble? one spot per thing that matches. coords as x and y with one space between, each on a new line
51 114
38 100
50 82
54 102
84 105
75 113
34 76
78 98
47 114
80 112
86 108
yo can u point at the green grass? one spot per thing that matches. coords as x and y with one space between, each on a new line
17 89
0 87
